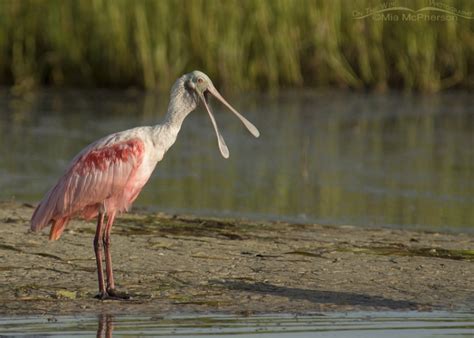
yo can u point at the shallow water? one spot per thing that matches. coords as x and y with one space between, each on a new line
357 324
327 157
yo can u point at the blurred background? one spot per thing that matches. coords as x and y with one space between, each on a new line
249 44
366 115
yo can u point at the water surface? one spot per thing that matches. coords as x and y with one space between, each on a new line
328 157
357 324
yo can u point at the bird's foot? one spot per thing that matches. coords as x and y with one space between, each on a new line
112 294
117 294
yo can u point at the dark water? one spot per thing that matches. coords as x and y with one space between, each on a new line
328 157
353 325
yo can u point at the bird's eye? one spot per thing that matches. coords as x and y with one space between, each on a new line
200 80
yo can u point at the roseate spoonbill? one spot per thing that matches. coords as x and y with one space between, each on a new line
106 177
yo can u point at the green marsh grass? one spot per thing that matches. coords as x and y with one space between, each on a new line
244 45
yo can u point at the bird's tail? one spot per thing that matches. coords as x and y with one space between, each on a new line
57 228
44 215
41 217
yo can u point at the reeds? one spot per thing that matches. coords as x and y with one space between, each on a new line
242 44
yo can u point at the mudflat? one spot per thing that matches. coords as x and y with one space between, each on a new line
173 264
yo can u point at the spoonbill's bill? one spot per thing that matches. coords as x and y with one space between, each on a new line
106 177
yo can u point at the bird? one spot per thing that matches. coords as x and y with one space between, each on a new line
105 178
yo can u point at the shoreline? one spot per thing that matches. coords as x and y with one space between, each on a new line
183 264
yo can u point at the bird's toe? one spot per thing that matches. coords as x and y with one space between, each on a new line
114 294
101 295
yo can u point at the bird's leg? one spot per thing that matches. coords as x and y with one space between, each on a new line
98 255
108 261
108 256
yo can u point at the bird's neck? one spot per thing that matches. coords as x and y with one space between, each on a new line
172 123
181 104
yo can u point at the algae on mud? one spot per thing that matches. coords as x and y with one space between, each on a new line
175 263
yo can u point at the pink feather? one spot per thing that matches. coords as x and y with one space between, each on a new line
102 175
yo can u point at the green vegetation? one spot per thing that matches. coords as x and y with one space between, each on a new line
250 44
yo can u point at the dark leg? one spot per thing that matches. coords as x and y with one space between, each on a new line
98 255
108 261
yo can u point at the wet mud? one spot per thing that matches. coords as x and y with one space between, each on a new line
173 264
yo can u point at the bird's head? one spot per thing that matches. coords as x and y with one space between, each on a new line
197 83
200 87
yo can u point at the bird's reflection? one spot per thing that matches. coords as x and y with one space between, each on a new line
106 326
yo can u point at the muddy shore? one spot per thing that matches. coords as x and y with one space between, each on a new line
173 264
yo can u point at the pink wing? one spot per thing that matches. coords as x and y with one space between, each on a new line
102 174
